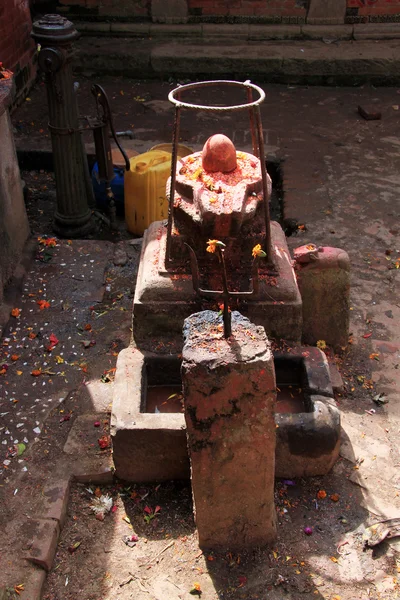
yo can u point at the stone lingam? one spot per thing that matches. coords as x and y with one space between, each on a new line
220 193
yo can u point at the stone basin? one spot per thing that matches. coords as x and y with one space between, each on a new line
151 446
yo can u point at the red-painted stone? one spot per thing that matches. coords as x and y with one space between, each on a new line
219 154
323 276
230 392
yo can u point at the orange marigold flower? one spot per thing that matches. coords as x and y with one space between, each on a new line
321 494
15 312
49 242
212 245
43 304
258 252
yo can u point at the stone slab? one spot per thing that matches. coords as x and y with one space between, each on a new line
300 61
44 535
327 32
379 31
336 378
321 9
173 11
273 32
94 465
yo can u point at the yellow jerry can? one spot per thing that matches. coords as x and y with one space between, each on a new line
145 190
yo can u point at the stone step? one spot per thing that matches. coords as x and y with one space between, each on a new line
298 62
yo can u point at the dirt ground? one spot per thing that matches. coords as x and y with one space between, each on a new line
340 175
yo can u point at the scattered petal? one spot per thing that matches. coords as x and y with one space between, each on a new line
104 442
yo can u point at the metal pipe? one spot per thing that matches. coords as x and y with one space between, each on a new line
55 34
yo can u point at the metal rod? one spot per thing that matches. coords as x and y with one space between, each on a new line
226 313
252 127
201 84
268 247
174 161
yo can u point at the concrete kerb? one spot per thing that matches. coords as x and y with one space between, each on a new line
46 529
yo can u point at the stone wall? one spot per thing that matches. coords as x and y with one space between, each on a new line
375 11
14 228
131 9
17 49
274 10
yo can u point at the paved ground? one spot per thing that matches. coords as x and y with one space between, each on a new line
341 180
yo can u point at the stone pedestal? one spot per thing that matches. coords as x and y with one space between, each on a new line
230 392
323 276
164 298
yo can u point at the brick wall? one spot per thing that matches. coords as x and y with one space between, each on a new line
134 9
377 11
248 8
17 49
198 10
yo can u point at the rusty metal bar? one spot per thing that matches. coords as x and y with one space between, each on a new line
174 161
252 126
267 217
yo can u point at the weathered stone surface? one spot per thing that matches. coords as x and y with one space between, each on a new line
332 32
336 378
56 501
14 227
323 276
92 466
229 392
162 301
146 446
120 257
325 12
44 538
173 11
308 443
369 113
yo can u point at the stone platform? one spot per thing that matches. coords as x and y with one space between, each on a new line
163 298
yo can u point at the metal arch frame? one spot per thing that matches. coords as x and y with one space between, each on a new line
253 106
